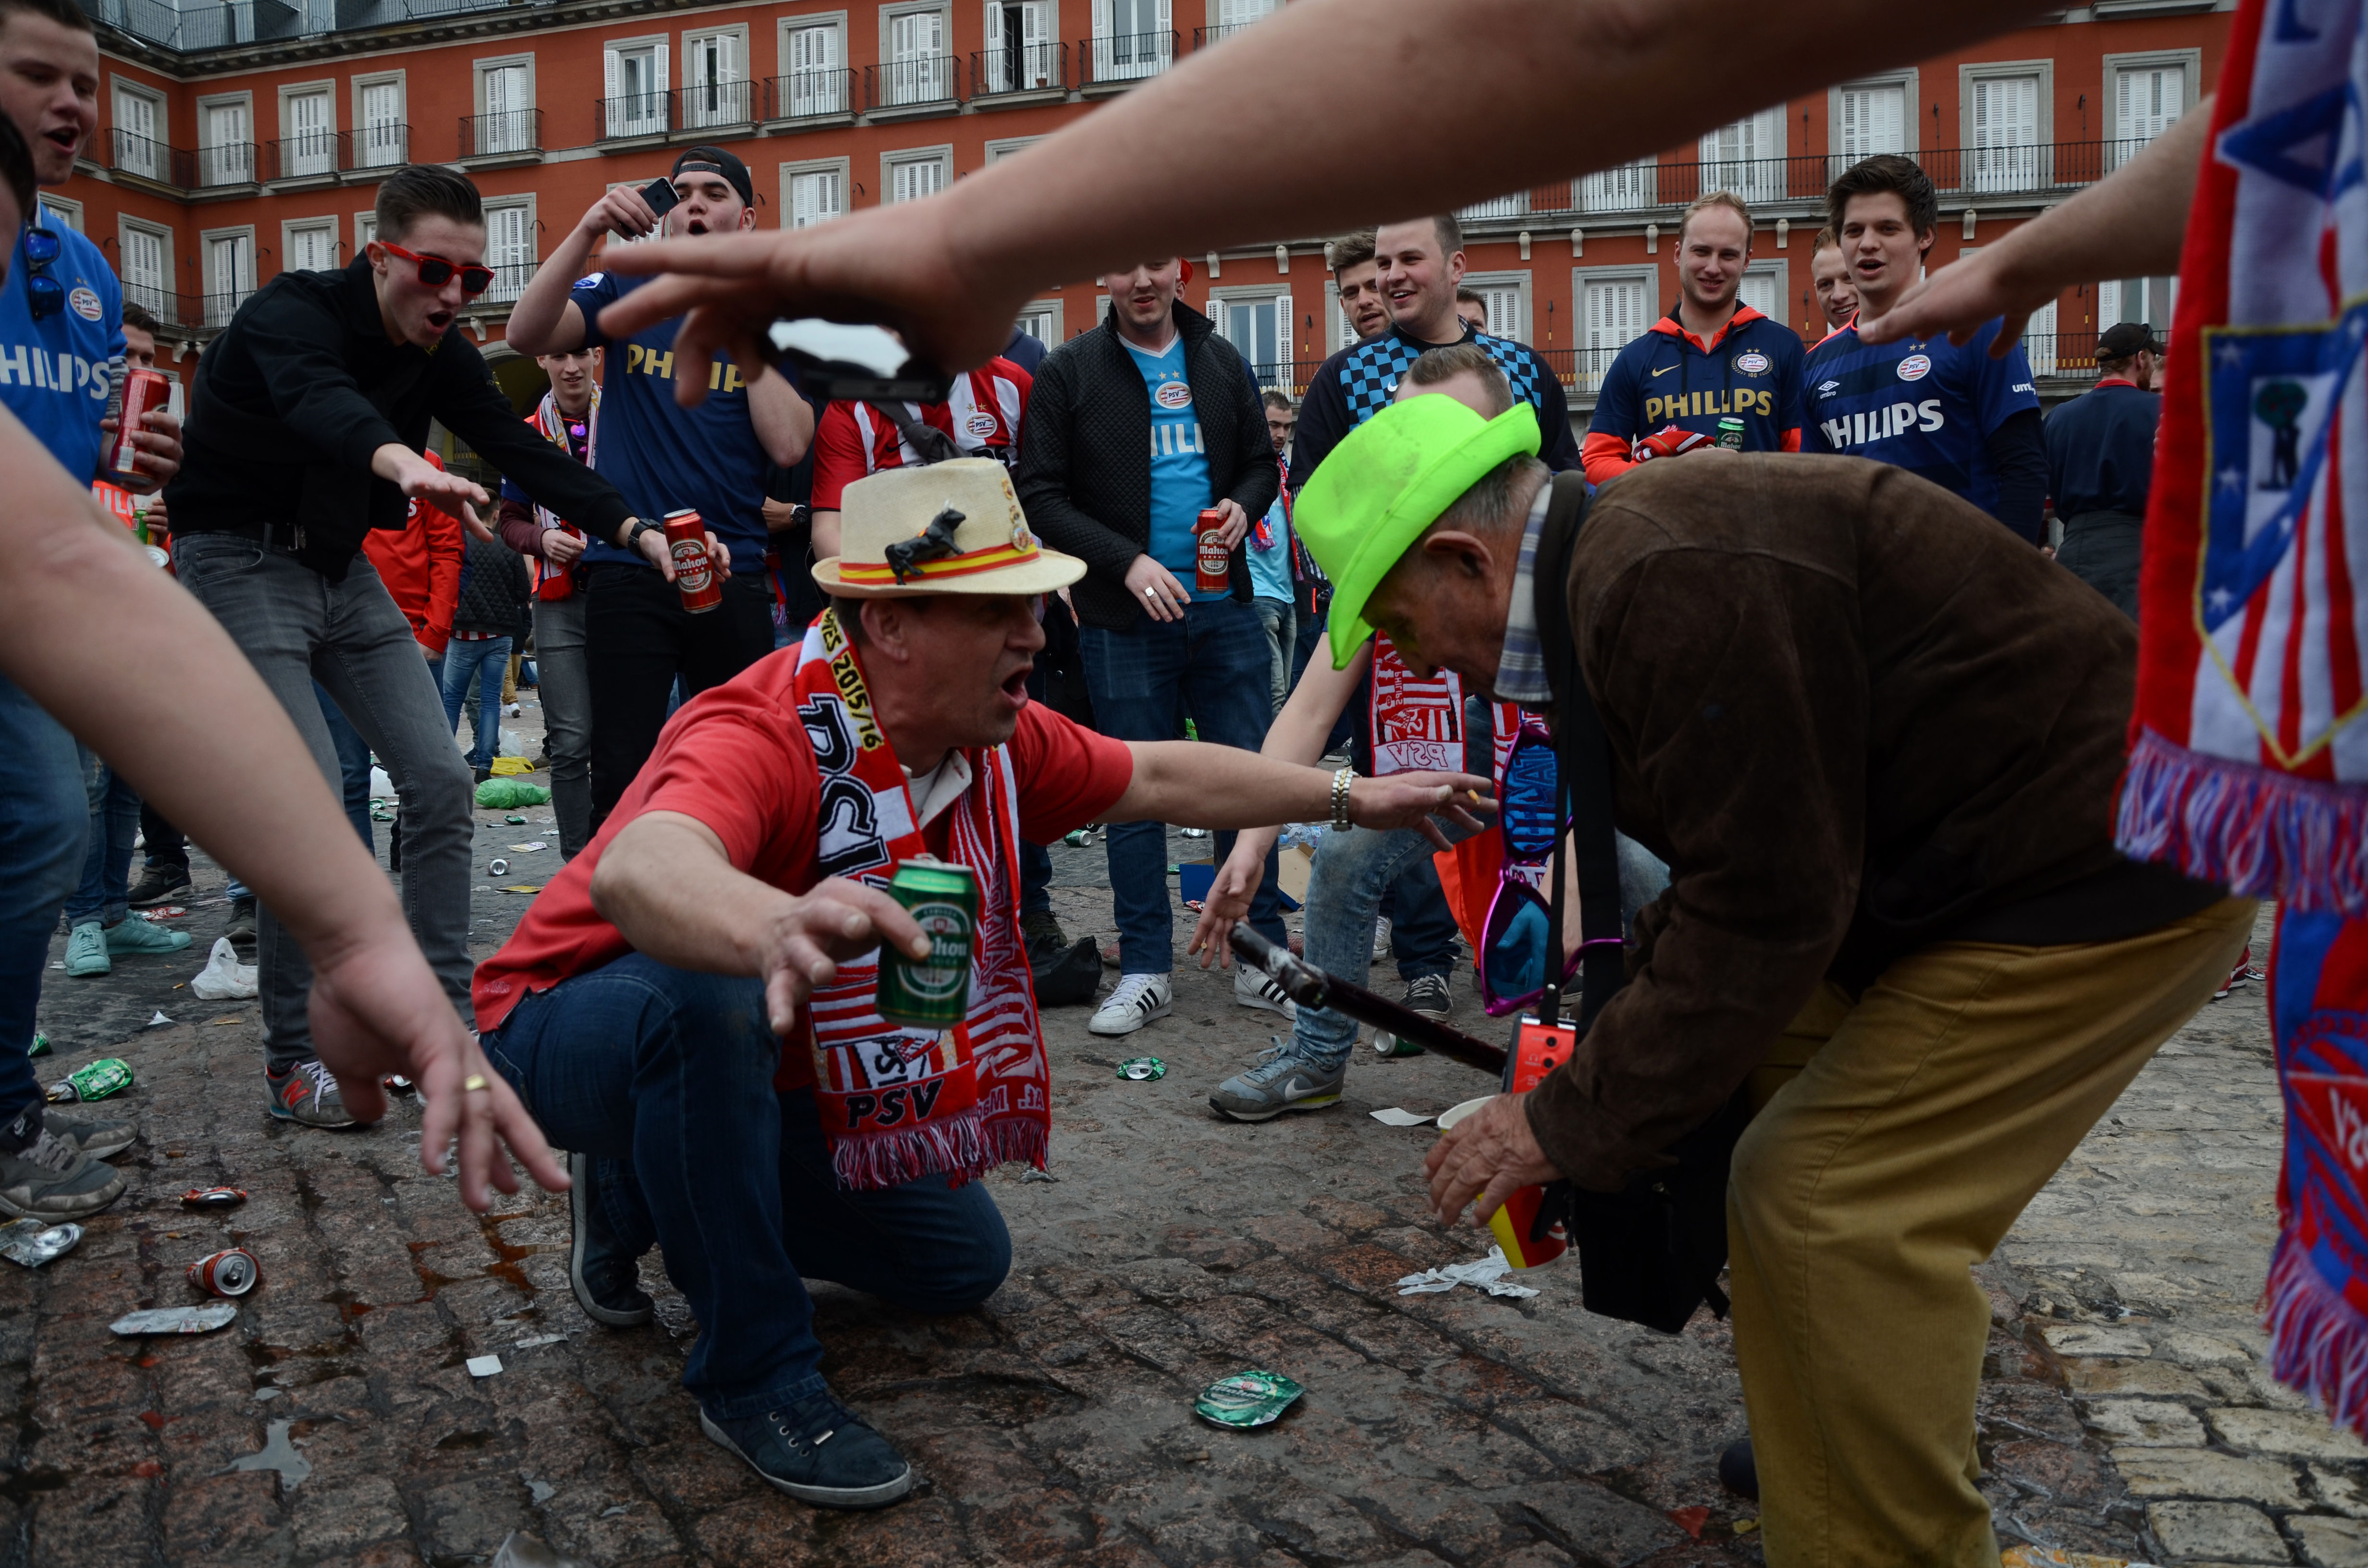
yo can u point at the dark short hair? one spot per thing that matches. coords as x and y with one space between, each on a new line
65 13
135 314
17 169
1465 296
1451 235
1433 366
1887 172
1351 250
427 190
1281 400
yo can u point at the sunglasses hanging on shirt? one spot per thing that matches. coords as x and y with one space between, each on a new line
44 293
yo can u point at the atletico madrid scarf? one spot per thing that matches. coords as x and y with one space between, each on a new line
550 584
899 1103
2249 757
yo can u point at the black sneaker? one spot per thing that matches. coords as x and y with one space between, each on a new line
483 773
607 1282
818 1452
1040 929
161 884
241 929
93 1135
1429 995
1738 1471
50 1178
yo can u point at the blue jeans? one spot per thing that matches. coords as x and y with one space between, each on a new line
673 1071
1212 664
44 822
1344 890
105 893
353 762
484 660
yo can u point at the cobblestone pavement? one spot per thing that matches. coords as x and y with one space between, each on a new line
2125 1413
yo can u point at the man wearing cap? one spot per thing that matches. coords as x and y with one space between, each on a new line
1876 737
2101 461
694 993
712 459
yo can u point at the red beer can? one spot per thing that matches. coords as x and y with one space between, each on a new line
143 391
232 1272
1212 564
694 571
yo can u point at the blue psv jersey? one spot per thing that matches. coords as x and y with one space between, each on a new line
56 373
1921 405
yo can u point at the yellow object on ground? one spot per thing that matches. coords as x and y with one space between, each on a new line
1914 1127
510 767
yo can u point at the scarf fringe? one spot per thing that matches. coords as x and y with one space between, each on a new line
2263 834
964 1147
2318 1341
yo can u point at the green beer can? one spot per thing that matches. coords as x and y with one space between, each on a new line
931 992
1730 433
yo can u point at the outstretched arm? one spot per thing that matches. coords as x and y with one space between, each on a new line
1193 784
212 749
2128 224
1554 88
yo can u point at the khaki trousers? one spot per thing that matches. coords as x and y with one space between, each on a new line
1896 1140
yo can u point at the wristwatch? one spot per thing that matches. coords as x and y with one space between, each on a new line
1341 780
642 526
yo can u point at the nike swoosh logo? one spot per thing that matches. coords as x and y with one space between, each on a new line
1665 370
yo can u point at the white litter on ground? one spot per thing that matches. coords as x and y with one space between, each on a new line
1394 1117
223 979
483 1366
1485 1274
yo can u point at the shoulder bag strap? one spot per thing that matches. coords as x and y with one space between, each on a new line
930 444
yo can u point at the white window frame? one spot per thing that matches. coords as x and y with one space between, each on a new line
1645 170
2189 62
208 162
1911 120
1781 271
942 154
65 209
836 23
1050 308
1511 278
125 225
1756 167
991 42
325 90
1100 66
691 38
216 315
2044 130
401 82
1590 379
1005 147
498 293
481 69
291 227
158 110
1286 324
661 47
365 228
890 14
789 171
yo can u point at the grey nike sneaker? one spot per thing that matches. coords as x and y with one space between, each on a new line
50 1178
1276 1083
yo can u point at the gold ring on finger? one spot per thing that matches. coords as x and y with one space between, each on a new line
474 1084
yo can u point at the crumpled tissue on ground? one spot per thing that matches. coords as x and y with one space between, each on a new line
1487 1274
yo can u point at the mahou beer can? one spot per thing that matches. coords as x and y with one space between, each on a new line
229 1273
143 391
931 992
694 571
1212 564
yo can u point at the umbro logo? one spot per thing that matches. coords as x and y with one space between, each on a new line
1827 389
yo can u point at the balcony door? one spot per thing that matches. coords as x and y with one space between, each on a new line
1746 157
1133 38
2005 153
1873 119
1261 329
144 273
1615 314
311 148
379 140
716 91
508 125
1020 46
816 197
312 247
814 85
916 58
226 156
229 276
137 148
636 90
510 249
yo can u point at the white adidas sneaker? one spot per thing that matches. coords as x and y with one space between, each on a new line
1255 988
1138 1000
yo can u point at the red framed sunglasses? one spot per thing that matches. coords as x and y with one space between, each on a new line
435 271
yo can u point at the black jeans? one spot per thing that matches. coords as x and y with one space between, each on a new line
2102 549
166 847
637 638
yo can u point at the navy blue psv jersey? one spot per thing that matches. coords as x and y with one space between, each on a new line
1921 405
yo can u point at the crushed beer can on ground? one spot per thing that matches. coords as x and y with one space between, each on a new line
1141 1068
1246 1399
213 1197
34 1241
175 1320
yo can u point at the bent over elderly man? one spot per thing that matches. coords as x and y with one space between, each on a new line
693 994
1876 738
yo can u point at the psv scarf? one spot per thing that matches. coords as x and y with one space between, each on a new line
553 426
2249 756
899 1104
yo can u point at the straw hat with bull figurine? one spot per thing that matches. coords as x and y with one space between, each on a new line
951 528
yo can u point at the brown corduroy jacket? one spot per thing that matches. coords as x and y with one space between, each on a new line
1856 716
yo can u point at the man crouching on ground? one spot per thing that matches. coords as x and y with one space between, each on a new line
688 1005
1876 739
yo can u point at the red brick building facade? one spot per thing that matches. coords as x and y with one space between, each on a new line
240 139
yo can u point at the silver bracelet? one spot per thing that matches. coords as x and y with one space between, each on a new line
1341 780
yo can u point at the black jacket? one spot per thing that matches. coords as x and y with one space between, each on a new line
1085 455
291 401
495 593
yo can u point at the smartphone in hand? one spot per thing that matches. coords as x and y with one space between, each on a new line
661 195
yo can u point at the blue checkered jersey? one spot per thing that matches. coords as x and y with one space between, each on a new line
1356 383
1920 404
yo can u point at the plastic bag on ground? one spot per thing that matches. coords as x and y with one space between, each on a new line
511 766
381 787
223 979
509 794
